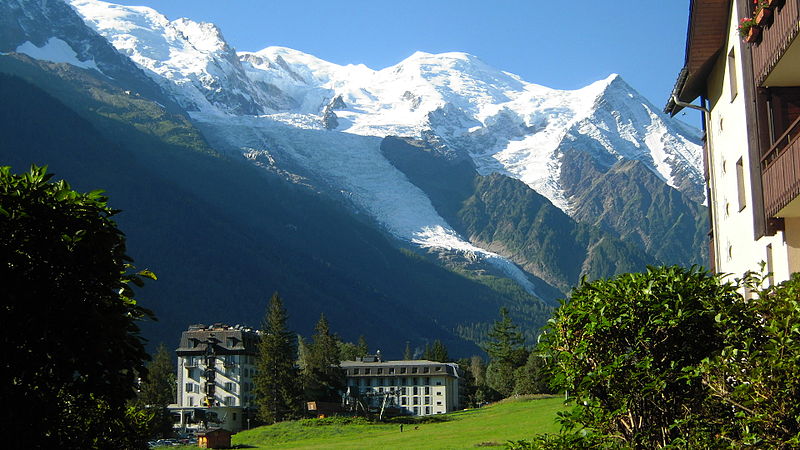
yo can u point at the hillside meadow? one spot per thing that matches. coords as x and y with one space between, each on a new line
493 425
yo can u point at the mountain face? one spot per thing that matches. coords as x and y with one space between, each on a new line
465 178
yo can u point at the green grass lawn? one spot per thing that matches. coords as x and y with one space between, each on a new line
492 425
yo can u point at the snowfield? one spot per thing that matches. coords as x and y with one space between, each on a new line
282 104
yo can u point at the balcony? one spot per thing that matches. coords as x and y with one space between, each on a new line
781 174
775 59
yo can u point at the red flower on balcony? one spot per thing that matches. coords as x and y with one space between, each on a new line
746 25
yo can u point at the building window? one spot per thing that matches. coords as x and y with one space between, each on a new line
740 184
438 403
438 392
732 74
438 368
189 387
416 410
426 369
230 401
427 410
413 370
403 401
191 401
438 383
355 371
416 390
380 371
391 370
427 390
402 370
367 371
427 380
230 387
427 400
416 401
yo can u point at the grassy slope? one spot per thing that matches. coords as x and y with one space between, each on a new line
491 425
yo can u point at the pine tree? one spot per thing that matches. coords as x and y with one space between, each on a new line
438 352
363 348
506 352
158 388
532 378
322 375
505 340
157 391
276 387
408 354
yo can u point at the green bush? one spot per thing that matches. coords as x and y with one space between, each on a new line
757 374
626 349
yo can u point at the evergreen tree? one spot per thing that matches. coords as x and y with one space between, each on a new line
322 375
506 352
158 388
157 391
363 348
436 352
348 351
505 340
408 354
276 387
302 353
532 378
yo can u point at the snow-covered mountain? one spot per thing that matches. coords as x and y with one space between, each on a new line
322 124
505 124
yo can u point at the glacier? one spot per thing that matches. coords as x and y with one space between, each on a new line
329 119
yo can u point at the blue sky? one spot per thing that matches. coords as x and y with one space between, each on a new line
563 45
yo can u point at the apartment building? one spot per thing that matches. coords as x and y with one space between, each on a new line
416 387
747 86
216 367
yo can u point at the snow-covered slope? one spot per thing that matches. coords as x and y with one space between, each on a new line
506 124
282 104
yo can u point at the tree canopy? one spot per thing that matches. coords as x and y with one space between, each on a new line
322 376
627 349
72 347
277 390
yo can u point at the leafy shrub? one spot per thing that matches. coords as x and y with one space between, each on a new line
627 348
757 374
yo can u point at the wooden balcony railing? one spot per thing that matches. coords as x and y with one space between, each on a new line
775 39
780 171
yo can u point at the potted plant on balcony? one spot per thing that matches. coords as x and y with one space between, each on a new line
763 12
749 30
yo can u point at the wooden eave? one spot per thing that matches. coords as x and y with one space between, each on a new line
705 38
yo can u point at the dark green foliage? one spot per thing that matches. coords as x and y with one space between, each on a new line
323 379
158 387
407 353
533 377
157 391
626 349
504 340
758 372
504 346
436 352
276 387
475 389
362 347
71 342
